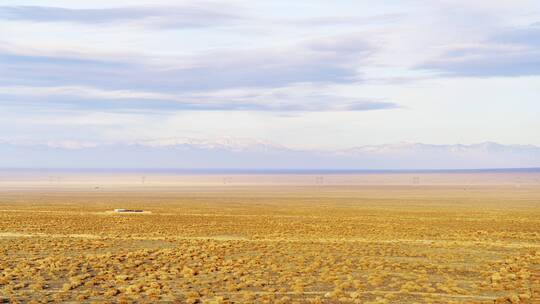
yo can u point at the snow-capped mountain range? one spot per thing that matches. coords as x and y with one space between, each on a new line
241 153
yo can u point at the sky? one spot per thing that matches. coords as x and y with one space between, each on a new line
304 74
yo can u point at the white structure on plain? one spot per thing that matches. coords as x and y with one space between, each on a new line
128 210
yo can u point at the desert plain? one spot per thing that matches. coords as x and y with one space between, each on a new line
247 238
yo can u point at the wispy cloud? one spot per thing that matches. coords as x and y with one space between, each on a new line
280 100
350 20
510 52
186 16
528 36
323 60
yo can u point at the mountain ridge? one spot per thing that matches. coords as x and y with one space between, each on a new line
248 153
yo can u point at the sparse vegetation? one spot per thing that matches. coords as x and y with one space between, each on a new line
346 245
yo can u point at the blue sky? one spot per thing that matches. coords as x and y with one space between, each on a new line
311 74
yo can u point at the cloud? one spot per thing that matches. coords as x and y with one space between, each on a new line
529 36
510 52
273 79
186 16
323 60
350 20
278 100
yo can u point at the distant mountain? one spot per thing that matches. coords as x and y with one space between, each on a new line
227 143
425 156
254 154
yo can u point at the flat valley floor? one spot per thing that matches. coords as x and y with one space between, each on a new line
296 242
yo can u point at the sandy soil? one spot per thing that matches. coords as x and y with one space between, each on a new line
295 243
65 180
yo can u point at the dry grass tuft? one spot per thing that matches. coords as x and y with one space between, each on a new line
391 245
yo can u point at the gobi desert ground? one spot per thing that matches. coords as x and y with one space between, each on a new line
397 238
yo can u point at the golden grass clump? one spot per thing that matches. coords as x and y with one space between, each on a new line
344 245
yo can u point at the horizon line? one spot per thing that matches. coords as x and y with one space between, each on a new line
211 171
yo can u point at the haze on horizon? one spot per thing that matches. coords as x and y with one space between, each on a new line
308 75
